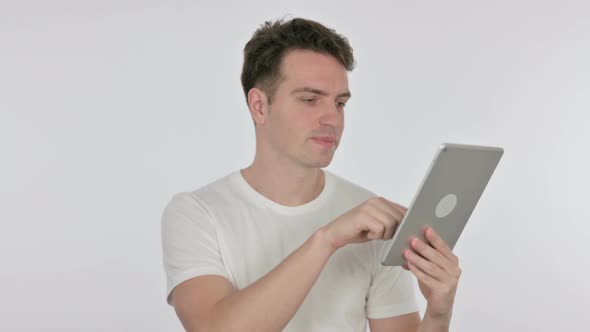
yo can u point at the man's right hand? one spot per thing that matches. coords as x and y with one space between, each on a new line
377 218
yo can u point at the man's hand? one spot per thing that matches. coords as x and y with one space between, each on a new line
437 270
377 218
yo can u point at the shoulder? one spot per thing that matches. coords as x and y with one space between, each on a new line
349 190
202 199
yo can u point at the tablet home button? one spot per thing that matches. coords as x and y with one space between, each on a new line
446 205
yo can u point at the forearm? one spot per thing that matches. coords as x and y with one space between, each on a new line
434 324
270 302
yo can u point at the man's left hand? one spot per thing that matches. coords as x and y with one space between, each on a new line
437 270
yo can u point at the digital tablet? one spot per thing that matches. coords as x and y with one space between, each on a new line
446 198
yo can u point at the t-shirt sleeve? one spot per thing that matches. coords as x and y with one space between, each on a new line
391 292
189 242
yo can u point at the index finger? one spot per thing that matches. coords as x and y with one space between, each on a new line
437 242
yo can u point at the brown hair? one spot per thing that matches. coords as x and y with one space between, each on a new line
264 52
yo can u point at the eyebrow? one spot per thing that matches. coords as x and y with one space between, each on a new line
319 92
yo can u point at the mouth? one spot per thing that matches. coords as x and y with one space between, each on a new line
324 141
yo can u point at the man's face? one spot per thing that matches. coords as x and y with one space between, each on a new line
306 116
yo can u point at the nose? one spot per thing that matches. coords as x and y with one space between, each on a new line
331 115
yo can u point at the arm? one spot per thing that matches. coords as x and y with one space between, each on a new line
208 303
403 323
408 323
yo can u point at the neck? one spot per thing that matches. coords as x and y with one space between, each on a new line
287 184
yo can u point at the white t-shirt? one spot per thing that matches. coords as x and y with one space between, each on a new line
227 228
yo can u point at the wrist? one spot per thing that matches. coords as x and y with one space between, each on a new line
440 319
322 240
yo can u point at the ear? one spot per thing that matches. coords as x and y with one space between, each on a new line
258 105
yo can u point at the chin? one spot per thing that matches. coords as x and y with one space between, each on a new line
316 160
320 163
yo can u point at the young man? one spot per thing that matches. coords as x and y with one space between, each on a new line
283 245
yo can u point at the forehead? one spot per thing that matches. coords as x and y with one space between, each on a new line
309 68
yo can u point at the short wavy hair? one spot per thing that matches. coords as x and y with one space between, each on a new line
264 52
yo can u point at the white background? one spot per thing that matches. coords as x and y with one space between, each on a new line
108 108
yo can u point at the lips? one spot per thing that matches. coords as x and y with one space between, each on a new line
326 139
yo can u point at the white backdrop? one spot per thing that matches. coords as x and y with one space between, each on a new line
108 108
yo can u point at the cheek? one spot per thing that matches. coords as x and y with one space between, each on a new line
288 129
339 124
299 120
341 118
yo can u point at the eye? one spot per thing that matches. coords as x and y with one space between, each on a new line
340 105
308 100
